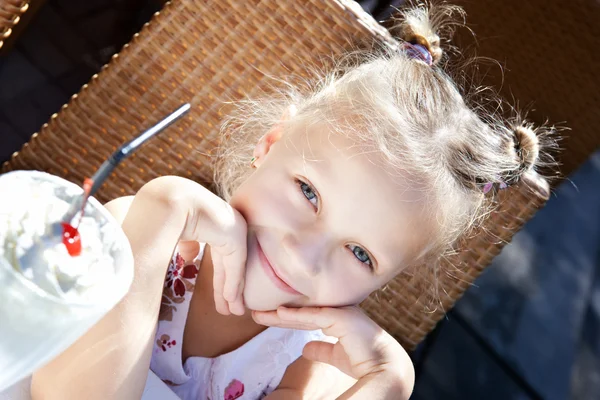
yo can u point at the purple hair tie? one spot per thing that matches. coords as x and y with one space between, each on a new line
419 52
490 185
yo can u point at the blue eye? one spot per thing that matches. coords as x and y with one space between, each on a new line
309 193
361 255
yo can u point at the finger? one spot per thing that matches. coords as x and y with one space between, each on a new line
304 316
270 318
218 282
337 322
221 305
230 287
240 294
235 267
266 317
319 351
290 325
296 326
237 307
334 321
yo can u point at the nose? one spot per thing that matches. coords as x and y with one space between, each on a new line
306 250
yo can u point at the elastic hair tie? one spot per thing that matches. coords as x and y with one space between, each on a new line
500 184
418 52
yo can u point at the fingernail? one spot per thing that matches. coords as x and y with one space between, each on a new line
239 309
223 310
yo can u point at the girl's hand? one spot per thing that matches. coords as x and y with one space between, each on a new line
229 252
225 230
364 350
206 218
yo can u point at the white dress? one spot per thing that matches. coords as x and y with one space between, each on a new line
248 373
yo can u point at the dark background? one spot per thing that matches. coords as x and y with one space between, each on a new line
528 329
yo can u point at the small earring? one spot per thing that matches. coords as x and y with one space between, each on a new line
252 161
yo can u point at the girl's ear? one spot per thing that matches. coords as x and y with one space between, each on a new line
268 139
264 144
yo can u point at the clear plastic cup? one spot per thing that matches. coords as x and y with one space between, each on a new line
36 325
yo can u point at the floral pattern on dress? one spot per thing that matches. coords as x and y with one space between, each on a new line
180 279
164 342
234 390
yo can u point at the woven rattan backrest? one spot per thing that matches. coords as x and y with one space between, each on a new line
10 15
206 52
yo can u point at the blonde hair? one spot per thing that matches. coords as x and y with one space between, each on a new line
425 124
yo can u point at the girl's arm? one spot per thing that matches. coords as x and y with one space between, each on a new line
111 360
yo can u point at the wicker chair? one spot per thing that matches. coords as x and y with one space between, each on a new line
10 15
206 52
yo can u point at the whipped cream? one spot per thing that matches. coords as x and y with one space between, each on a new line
31 211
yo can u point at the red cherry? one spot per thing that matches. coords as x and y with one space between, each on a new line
71 239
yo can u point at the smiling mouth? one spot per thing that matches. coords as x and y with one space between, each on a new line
271 273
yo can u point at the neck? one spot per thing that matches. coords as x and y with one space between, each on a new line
208 333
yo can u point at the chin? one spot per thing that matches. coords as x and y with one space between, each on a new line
260 305
260 294
261 298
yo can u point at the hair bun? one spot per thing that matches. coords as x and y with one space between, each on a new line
416 28
527 146
430 41
424 23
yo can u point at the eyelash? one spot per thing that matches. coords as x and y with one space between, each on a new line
368 262
302 186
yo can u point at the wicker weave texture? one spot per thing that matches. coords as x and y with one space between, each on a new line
210 52
10 15
548 49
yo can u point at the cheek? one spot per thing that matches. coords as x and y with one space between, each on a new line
250 197
343 289
263 201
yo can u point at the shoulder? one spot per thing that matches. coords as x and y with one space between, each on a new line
119 207
312 380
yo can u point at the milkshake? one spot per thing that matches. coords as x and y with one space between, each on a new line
49 297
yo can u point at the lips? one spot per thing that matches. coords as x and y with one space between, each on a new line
272 274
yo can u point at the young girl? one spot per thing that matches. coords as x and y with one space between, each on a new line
327 196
